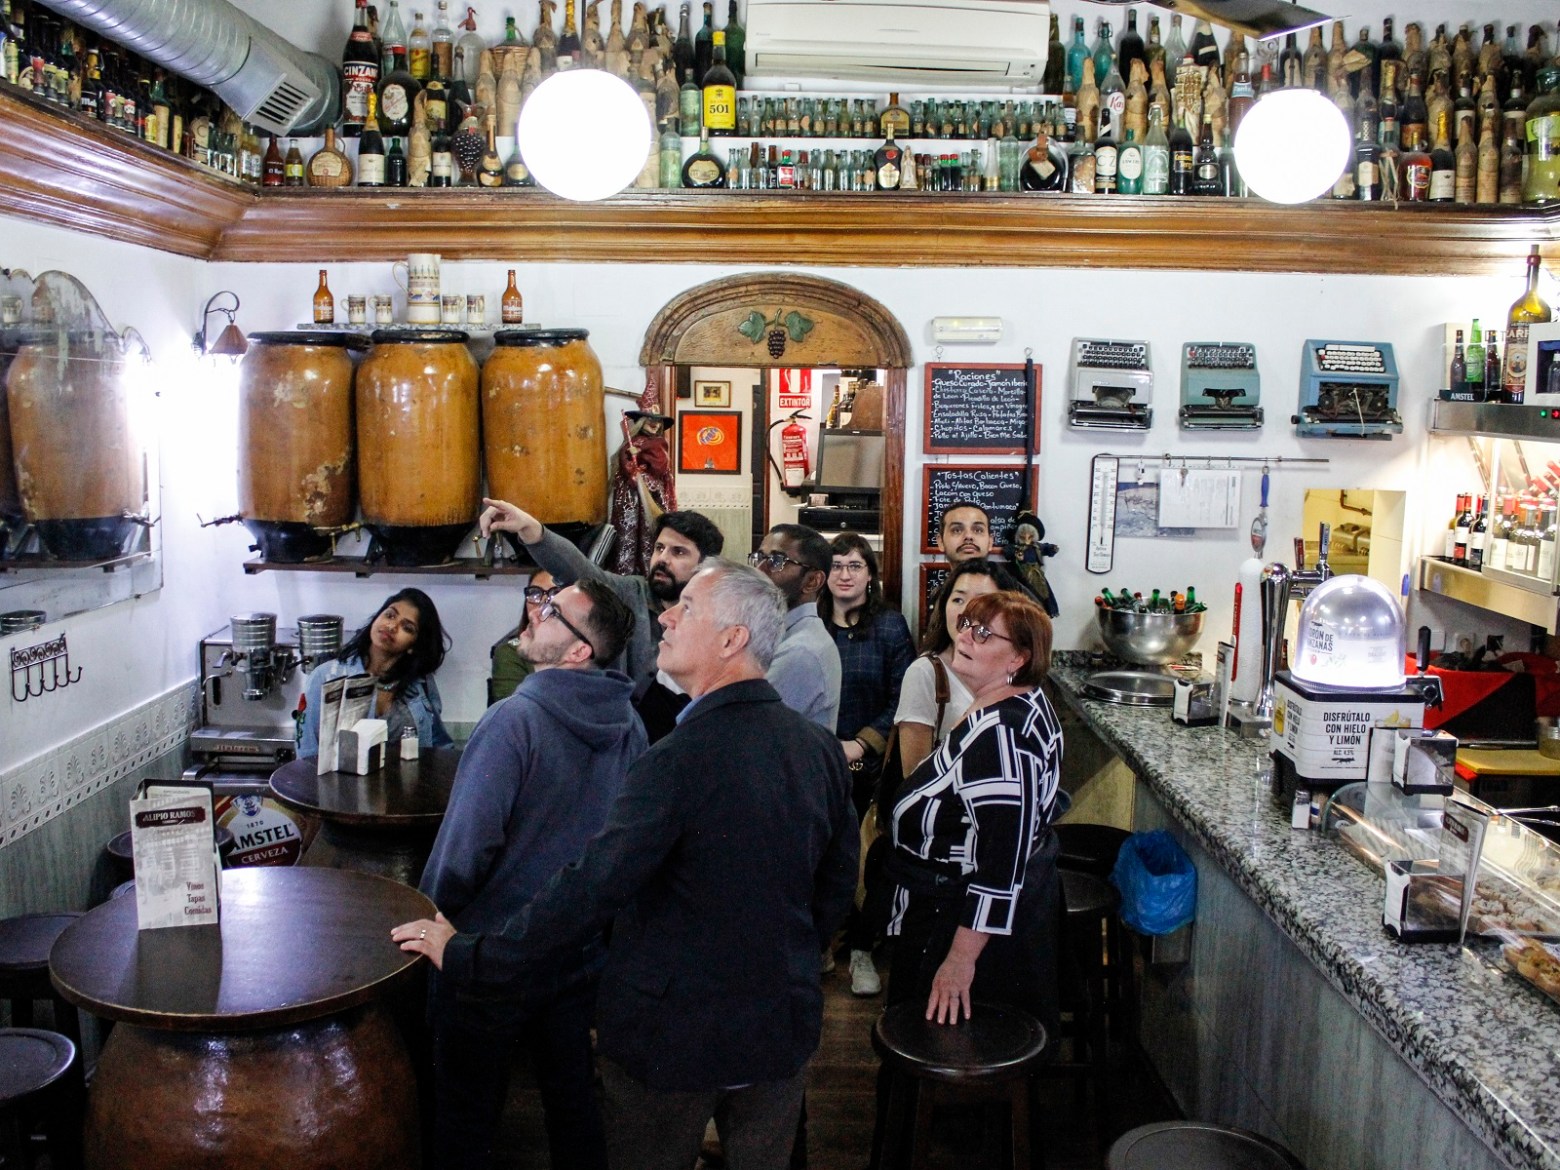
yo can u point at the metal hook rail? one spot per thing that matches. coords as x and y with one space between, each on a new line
40 669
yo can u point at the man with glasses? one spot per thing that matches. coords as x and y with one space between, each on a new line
806 669
681 541
534 785
727 861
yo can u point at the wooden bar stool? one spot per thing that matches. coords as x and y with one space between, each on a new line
987 1057
1197 1145
25 942
40 1081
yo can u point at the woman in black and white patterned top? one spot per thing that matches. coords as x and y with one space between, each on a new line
977 901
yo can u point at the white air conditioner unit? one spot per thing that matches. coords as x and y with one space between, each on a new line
956 42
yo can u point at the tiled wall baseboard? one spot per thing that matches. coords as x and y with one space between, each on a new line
40 789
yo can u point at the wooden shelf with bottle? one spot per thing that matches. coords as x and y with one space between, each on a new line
61 169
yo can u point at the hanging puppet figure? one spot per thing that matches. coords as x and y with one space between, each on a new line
1028 552
642 486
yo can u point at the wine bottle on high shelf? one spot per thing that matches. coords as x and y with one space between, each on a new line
371 149
1443 168
1529 309
1460 533
1207 172
1492 366
1478 532
569 39
704 43
1106 155
720 91
1130 49
1054 78
1183 160
441 171
736 43
682 47
359 72
324 303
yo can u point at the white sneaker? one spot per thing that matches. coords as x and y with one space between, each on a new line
828 962
864 979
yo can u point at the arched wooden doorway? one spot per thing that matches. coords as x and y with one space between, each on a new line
703 327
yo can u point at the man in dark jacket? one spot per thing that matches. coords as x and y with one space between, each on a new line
534 785
729 860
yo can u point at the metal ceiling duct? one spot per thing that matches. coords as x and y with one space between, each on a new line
268 80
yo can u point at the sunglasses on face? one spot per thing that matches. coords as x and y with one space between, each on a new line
550 610
981 634
535 594
774 561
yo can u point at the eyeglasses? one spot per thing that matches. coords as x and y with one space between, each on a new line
981 634
535 593
550 610
852 567
775 561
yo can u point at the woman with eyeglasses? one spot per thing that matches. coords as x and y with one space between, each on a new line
974 861
401 647
509 665
875 650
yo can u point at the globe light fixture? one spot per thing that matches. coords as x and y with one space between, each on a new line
1292 146
585 134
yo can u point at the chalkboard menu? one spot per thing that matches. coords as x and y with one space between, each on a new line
979 410
994 487
933 574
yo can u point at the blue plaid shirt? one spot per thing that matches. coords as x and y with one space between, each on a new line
873 661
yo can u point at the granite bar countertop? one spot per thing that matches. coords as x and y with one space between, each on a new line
1486 1041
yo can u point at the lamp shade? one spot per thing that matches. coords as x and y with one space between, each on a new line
585 134
231 342
1292 145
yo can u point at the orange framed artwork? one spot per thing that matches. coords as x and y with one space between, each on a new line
709 442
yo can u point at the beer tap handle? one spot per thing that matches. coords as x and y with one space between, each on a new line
1324 545
1300 554
1422 650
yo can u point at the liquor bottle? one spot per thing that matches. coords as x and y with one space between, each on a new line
511 304
1512 158
1492 366
888 162
328 166
441 172
490 169
1104 51
1443 169
1476 362
1175 47
442 43
682 48
398 92
1207 175
392 37
1389 131
1461 532
292 165
1451 529
1367 162
516 173
1541 182
1080 166
1113 98
419 49
1155 49
1415 120
1183 160
720 90
895 119
1129 165
1242 94
690 102
1156 154
1465 170
359 72
703 169
396 174
1054 79
1457 375
736 43
1106 155
1204 49
273 169
1078 52
1131 48
704 42
668 96
1487 186
371 149
1527 310
1478 533
669 151
1045 166
324 303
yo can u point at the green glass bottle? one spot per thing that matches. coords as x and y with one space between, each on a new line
671 155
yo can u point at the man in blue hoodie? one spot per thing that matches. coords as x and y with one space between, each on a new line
535 784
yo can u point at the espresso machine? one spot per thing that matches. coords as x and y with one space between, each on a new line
251 686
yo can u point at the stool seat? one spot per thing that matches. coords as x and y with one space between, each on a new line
1088 847
997 1043
25 942
1087 896
1197 1145
31 1060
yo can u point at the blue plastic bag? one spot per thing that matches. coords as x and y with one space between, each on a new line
1157 882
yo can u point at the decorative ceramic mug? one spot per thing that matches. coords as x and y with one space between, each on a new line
357 310
421 284
476 309
453 304
384 310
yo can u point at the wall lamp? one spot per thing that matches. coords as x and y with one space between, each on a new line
231 342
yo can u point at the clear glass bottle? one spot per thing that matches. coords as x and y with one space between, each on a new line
419 49
669 146
442 42
1156 154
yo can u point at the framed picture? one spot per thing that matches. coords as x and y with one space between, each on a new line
712 395
709 442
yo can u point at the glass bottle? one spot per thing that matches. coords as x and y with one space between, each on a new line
398 92
1104 51
1476 362
1183 160
1077 53
1461 532
512 304
703 169
1478 533
490 170
1207 174
359 72
720 90
1131 48
690 105
704 42
569 39
1496 546
1492 366
895 119
1465 170
1113 97
273 169
1415 119
670 149
419 49
442 157
1541 181
1443 169
1156 154
1546 542
392 37
1129 165
887 162
371 149
1080 167
516 173
1457 375
1106 156
1451 528
292 166
1367 162
736 43
1054 79
1175 48
1527 310
1204 49
395 165
324 303
328 166
682 47
442 43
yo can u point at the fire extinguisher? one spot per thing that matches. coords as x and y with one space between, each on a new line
796 465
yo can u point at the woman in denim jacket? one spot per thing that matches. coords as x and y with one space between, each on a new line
400 647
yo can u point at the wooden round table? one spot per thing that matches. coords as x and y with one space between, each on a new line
383 823
260 1041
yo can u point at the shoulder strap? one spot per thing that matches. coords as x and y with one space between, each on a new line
942 692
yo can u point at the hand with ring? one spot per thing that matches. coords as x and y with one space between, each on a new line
425 937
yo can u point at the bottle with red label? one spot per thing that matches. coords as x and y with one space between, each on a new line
359 73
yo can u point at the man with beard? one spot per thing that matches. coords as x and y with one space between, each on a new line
964 533
535 783
806 669
681 541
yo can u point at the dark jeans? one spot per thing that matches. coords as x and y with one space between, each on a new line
474 1045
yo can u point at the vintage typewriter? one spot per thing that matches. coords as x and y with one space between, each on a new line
1112 385
1220 386
1348 389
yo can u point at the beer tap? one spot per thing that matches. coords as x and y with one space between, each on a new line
1302 581
1280 586
1427 684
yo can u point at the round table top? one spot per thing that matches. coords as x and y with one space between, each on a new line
25 941
404 794
293 944
996 1042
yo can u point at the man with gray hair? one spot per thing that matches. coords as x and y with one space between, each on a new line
728 860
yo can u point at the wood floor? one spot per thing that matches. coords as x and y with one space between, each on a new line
841 1105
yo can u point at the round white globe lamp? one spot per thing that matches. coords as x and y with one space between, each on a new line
1291 146
584 133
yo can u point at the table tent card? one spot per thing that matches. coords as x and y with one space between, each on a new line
173 843
343 701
